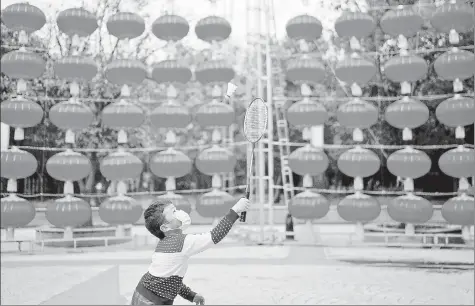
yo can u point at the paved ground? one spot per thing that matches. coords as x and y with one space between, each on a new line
243 275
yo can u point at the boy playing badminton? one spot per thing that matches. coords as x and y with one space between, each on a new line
164 279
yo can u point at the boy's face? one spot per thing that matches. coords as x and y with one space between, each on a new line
171 222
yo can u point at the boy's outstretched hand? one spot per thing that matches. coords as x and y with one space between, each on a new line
199 299
241 206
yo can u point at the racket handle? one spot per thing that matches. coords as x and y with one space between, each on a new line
242 218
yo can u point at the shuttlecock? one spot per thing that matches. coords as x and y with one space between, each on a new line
231 89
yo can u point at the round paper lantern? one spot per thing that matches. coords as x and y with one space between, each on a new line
68 212
308 160
458 162
214 204
23 65
126 72
355 70
404 20
75 68
213 28
304 27
71 115
359 207
457 112
305 70
459 210
409 163
17 164
20 113
359 162
170 163
452 17
411 209
120 210
215 114
215 160
123 115
180 202
68 166
171 72
76 21
354 24
23 17
407 114
307 113
214 71
16 212
125 25
170 27
309 205
455 64
170 115
120 166
405 68
357 114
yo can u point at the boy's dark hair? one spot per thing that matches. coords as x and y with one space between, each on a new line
154 218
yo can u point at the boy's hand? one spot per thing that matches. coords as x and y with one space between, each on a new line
199 299
241 206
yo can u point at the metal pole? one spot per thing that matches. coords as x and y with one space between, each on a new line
270 125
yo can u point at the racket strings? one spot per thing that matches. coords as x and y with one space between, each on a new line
255 121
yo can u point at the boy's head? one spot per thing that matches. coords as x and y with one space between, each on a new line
161 217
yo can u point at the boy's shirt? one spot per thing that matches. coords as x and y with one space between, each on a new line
170 260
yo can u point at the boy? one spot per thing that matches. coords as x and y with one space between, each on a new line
164 279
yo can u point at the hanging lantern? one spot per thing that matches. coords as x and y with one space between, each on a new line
214 71
309 205
126 72
72 116
170 163
405 68
170 115
407 114
453 17
213 28
459 210
359 163
215 160
170 28
20 113
171 72
305 69
356 71
68 166
455 65
68 212
122 116
411 209
76 21
75 68
22 64
125 25
410 164
16 164
304 27
214 204
16 212
355 25
308 160
357 114
306 113
180 202
120 210
215 114
459 163
359 208
120 166
402 22
23 17
457 112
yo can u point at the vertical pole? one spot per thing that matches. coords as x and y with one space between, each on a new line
270 121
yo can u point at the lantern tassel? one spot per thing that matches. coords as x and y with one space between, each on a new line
356 90
460 132
74 89
406 134
405 88
12 185
68 233
68 187
458 85
216 181
358 183
125 91
10 233
359 231
402 42
216 92
23 38
170 184
454 37
305 90
20 86
355 43
466 232
122 137
358 135
408 184
19 134
215 136
464 185
69 136
171 92
121 188
410 229
170 138
307 181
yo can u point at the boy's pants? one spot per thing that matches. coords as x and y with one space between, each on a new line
143 296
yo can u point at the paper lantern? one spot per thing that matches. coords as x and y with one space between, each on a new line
306 113
411 209
16 212
215 160
170 163
358 163
120 210
171 72
214 204
125 25
357 114
22 64
68 212
170 27
16 164
404 20
75 68
407 114
308 160
308 205
76 21
455 64
213 28
354 24
123 115
459 210
23 17
306 70
405 68
68 166
180 202
125 72
453 17
120 166
304 27
214 71
355 70
410 164
215 114
359 207
20 113
459 163
457 112
170 115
